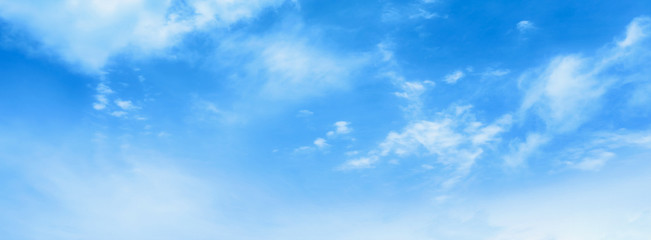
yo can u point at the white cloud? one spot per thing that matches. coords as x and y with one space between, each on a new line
320 143
359 163
626 139
342 127
422 13
454 138
436 137
121 107
565 93
570 88
101 99
523 150
118 113
452 78
489 133
594 162
496 72
386 50
89 33
297 70
411 90
569 91
600 148
525 26
288 65
208 111
126 105
637 30
305 113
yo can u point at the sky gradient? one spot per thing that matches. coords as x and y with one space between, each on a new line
304 119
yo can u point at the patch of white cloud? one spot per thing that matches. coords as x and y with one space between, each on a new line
386 50
486 134
210 112
453 137
118 113
126 105
625 139
594 162
304 113
522 150
525 26
637 30
341 128
452 78
299 70
571 89
289 65
321 143
89 33
565 93
399 12
411 91
496 72
118 108
101 97
424 14
603 147
359 163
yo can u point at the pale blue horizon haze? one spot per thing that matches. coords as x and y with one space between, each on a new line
304 119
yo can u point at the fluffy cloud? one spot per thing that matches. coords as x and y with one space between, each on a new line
89 33
454 137
320 143
125 104
342 127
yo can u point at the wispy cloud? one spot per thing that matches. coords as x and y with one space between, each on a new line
101 98
570 90
452 78
454 137
636 31
89 33
288 64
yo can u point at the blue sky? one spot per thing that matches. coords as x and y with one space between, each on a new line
302 119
